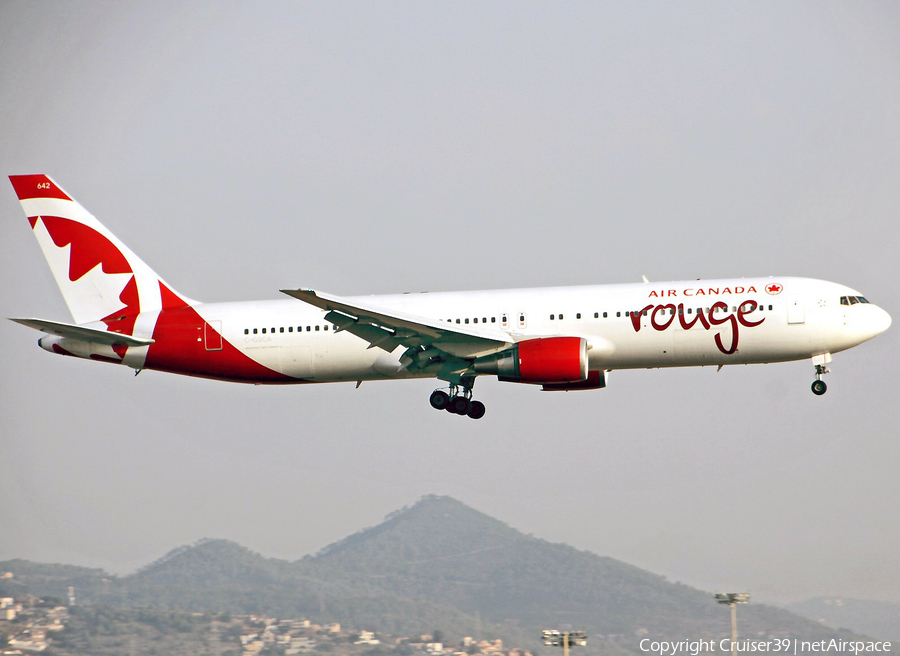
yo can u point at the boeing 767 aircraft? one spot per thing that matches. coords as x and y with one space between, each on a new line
562 338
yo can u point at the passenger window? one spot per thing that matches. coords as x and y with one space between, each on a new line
483 319
281 330
597 315
552 317
264 331
578 316
467 321
290 329
493 319
308 328
604 315
317 328
618 314
457 321
246 331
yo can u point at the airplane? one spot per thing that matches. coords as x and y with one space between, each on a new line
560 338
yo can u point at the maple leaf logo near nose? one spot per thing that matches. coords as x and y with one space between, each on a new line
774 288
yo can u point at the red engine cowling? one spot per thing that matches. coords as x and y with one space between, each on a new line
543 360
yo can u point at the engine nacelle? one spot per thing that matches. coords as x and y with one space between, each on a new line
545 360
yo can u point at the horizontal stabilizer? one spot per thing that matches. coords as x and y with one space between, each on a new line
93 335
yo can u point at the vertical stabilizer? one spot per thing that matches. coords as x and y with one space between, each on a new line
100 278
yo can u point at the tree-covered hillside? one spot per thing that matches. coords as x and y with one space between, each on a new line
437 564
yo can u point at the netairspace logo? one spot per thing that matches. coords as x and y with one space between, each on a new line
791 646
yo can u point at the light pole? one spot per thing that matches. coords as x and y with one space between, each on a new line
733 599
564 639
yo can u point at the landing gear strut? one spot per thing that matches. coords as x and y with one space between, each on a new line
819 361
458 400
819 387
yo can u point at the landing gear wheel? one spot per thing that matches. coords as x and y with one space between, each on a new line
819 387
440 400
460 405
476 410
457 400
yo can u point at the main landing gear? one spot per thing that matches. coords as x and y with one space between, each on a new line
458 402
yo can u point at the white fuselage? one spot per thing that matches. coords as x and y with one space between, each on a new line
805 318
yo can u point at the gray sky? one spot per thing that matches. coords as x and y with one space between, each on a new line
241 148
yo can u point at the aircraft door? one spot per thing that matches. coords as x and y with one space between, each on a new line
795 310
297 361
296 358
212 335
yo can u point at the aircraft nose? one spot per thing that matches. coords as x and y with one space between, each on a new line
868 321
880 322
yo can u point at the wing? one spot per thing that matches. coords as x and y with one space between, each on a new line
428 342
83 333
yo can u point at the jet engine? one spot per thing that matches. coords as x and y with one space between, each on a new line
543 360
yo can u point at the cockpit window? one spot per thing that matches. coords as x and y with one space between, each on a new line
862 300
852 300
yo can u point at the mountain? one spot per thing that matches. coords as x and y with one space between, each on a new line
49 579
436 565
879 619
442 550
224 576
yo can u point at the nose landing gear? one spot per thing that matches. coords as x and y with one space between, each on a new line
818 386
459 402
